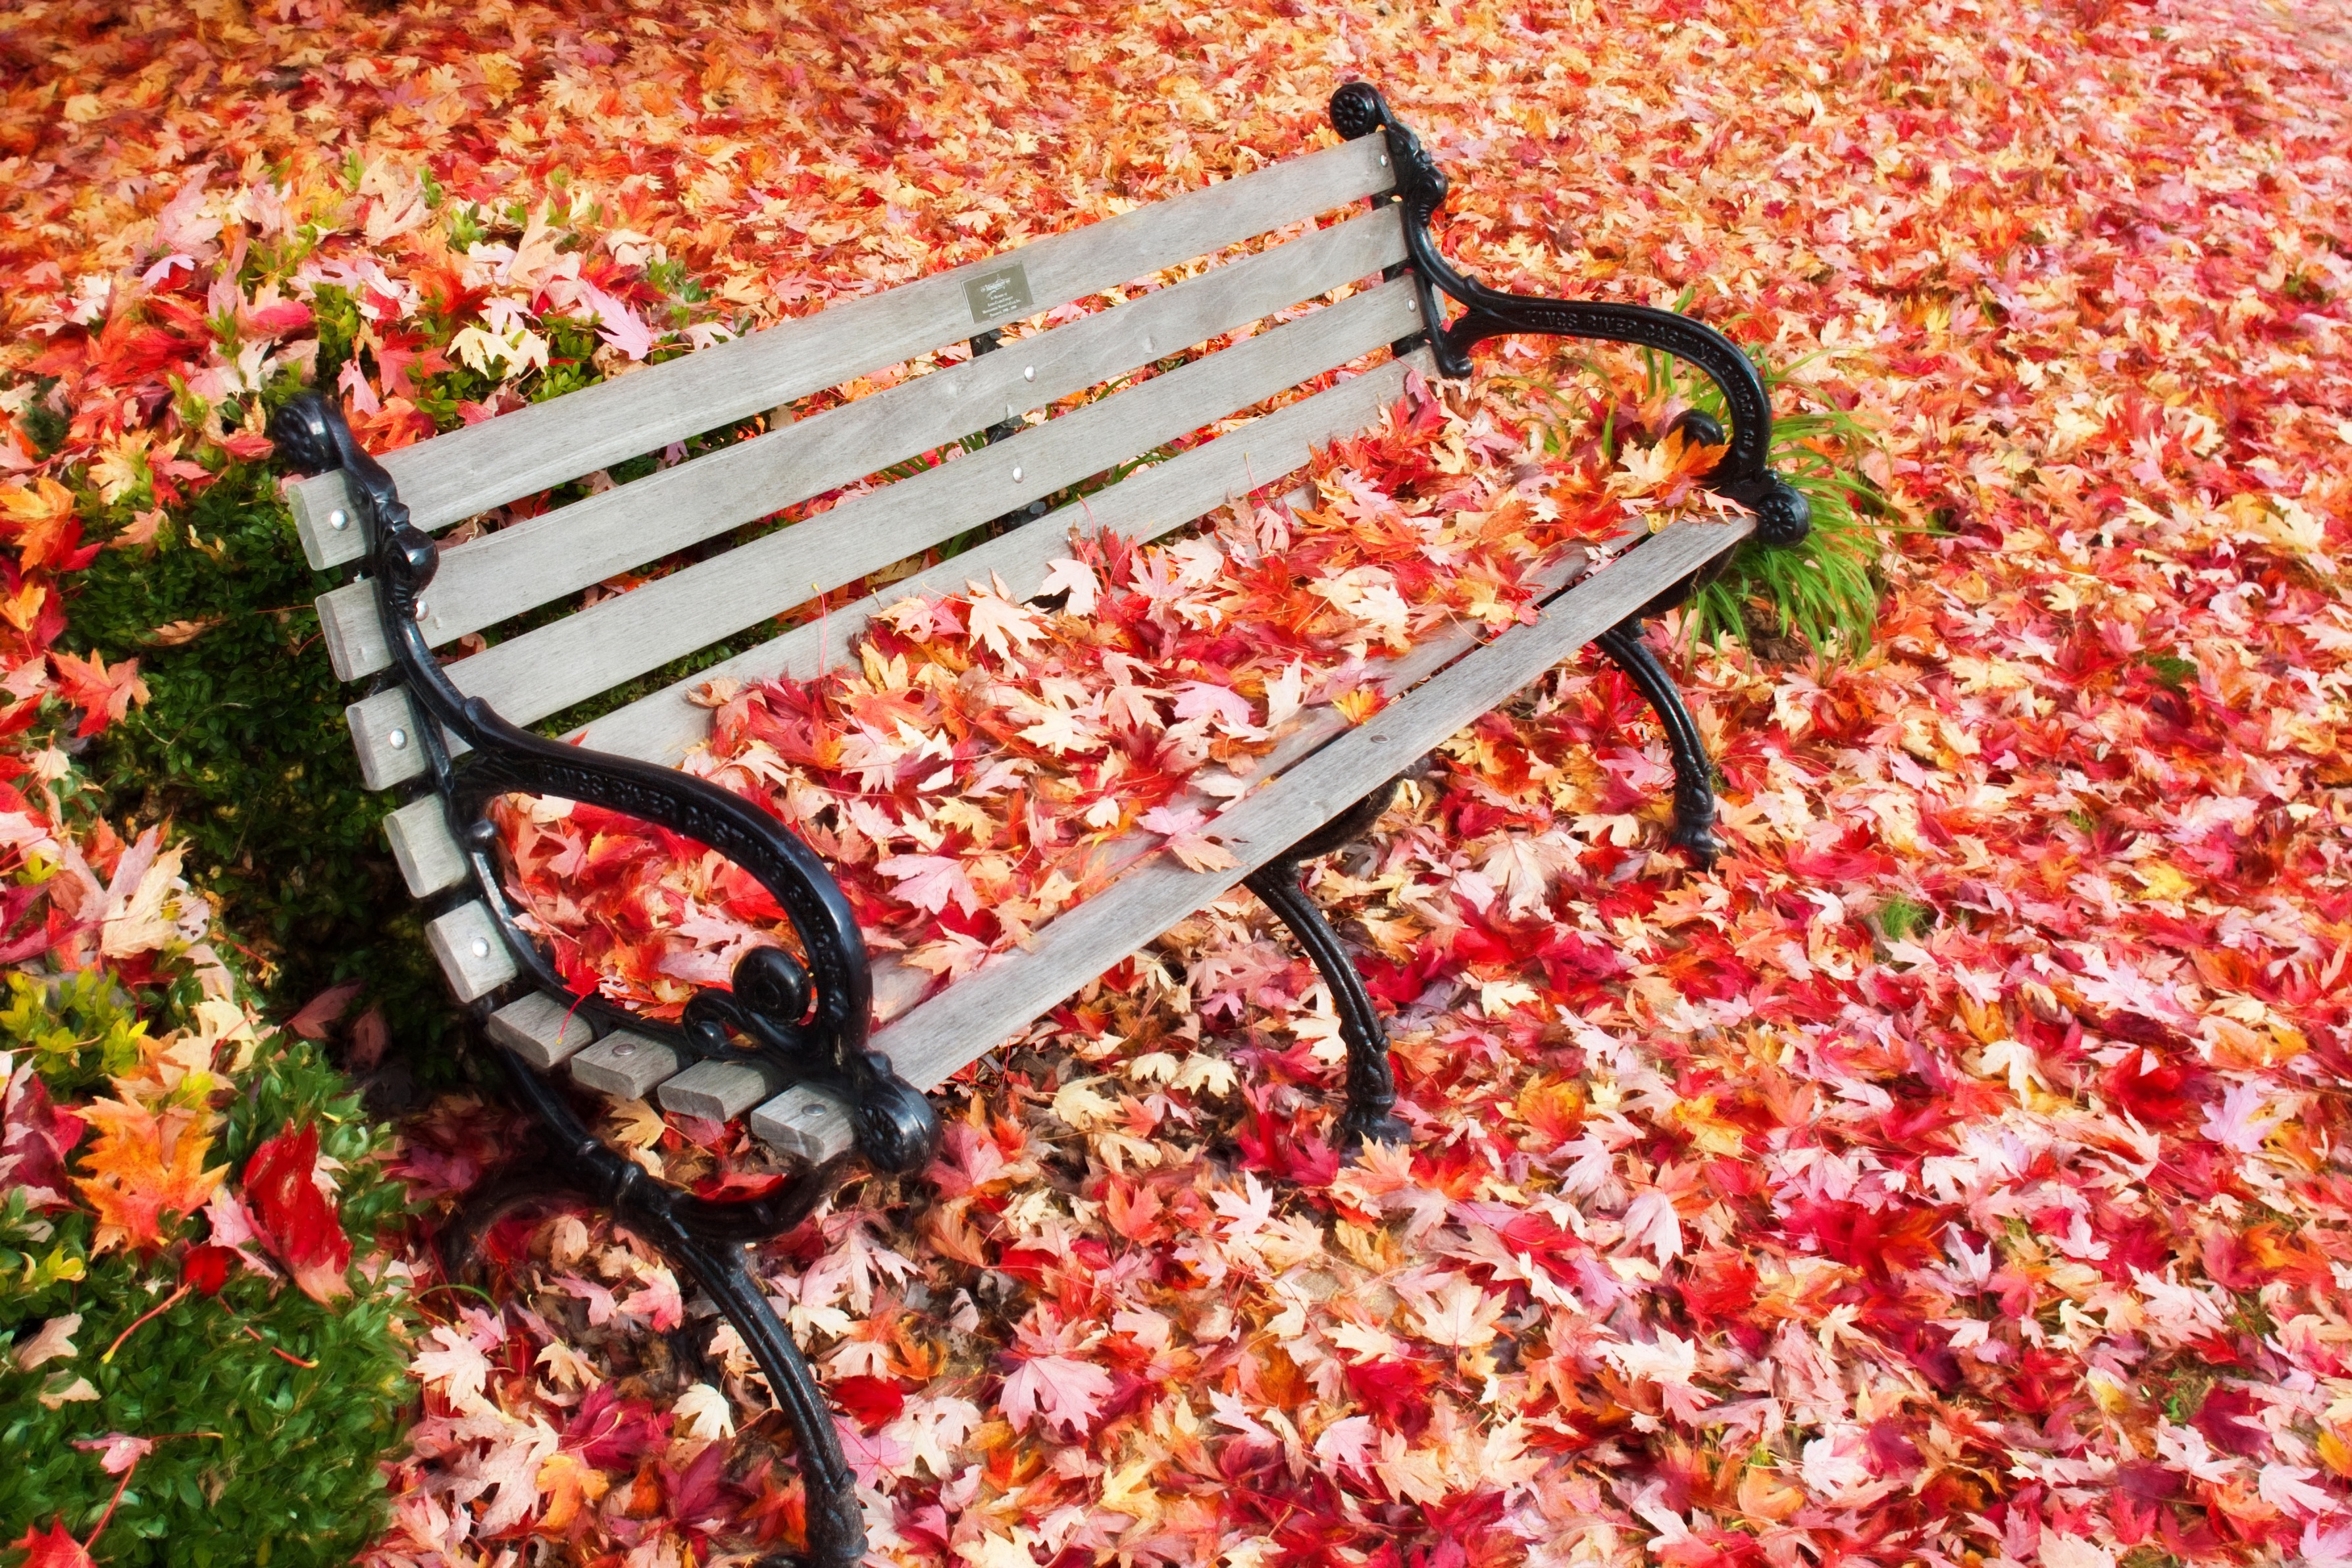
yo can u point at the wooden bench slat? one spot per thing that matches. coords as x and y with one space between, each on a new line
807 1123
663 727
989 1006
471 470
719 1091
472 952
485 580
541 1029
428 857
627 1066
545 671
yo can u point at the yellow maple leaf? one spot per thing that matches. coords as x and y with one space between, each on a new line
146 1165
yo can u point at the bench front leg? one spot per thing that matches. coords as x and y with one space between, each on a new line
1370 1114
705 1241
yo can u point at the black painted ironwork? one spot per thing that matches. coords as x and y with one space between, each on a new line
1370 1114
808 1015
1745 473
1783 516
708 1245
1693 769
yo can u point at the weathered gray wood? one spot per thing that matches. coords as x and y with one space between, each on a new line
1012 989
664 726
351 624
545 671
625 1066
385 733
488 580
483 466
719 1091
805 1122
326 519
541 1030
474 956
428 857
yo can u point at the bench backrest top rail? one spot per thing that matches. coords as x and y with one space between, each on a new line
469 471
487 580
662 726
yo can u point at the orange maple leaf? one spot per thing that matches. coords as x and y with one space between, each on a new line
102 695
40 518
145 1166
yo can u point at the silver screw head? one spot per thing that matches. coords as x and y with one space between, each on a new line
1029 372
1016 470
481 948
339 519
626 1048
397 738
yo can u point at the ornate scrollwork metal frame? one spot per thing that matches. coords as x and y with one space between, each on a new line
1783 516
807 1016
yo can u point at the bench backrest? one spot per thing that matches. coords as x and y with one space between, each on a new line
491 579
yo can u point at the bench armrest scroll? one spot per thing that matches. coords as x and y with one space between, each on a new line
810 1014
1782 514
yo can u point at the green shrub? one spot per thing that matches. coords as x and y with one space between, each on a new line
244 748
256 1460
1824 592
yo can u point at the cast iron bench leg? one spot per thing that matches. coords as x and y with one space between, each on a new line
1693 769
1371 1083
709 1251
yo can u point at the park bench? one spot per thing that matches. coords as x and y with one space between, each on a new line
829 1054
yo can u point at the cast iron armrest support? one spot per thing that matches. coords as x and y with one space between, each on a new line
1745 473
809 1015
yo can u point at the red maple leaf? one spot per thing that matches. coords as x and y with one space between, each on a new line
52 1548
299 1220
102 695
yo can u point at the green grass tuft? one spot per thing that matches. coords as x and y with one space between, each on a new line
1822 592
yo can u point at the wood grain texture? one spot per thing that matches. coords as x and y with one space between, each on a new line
541 1029
488 580
326 519
428 857
547 670
625 1066
719 1091
384 734
467 471
664 726
807 1123
473 955
1012 989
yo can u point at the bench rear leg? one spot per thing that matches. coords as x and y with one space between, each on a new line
1370 1114
1693 769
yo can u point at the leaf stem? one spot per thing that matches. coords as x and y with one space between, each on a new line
166 1304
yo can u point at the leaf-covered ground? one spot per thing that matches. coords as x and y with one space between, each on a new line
1953 1175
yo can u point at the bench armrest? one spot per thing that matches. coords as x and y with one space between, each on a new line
809 1014
1782 514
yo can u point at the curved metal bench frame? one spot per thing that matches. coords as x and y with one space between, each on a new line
808 1017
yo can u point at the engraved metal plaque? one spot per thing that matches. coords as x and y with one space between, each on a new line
1000 295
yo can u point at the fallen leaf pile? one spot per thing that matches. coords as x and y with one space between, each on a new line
981 765
1954 1175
